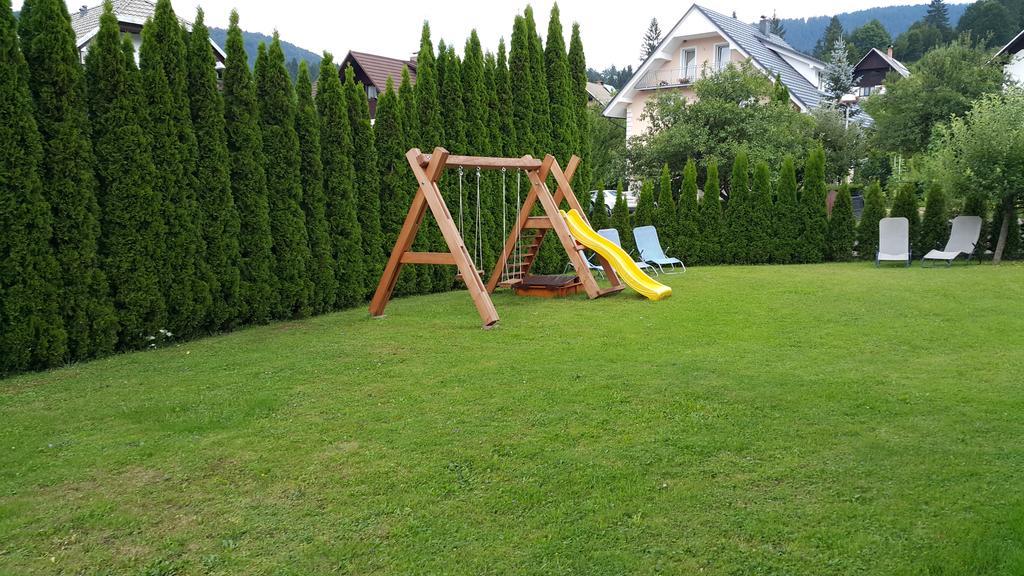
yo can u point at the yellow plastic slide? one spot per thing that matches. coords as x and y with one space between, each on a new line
623 265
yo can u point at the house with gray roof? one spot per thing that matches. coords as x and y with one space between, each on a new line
873 68
705 42
131 16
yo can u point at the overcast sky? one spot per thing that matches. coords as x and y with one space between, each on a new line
392 27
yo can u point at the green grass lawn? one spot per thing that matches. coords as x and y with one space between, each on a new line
832 419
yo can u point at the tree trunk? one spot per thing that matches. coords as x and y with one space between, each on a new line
1003 230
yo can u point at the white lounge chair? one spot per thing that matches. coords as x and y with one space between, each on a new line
612 235
650 249
893 241
598 270
963 239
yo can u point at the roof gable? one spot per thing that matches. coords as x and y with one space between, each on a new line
379 68
875 59
766 51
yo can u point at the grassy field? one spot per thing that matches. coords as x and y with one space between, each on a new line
832 419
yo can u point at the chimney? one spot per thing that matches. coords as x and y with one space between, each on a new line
890 51
83 10
763 26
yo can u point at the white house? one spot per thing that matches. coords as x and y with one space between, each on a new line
705 42
131 16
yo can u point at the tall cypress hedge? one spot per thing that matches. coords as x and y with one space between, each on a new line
621 220
430 133
218 217
503 86
687 233
476 102
645 205
410 126
31 331
258 282
760 249
57 82
905 205
785 216
813 209
292 258
665 217
519 77
162 61
738 216
367 180
867 228
578 80
561 97
322 271
710 221
396 181
339 185
538 91
935 224
841 229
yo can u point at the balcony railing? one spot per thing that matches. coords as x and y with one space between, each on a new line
675 77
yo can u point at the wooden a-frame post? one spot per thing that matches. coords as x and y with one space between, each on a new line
428 194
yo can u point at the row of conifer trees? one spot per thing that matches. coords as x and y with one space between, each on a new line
152 202
765 219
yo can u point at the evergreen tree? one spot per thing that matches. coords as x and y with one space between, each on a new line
833 32
838 74
775 26
621 221
337 151
738 218
652 38
410 125
937 15
522 104
687 233
781 92
710 221
841 227
218 217
867 228
645 206
538 88
906 205
449 73
31 331
395 197
258 283
813 209
367 181
564 130
760 248
599 216
935 225
57 82
578 78
131 210
503 85
665 217
431 134
478 140
162 61
322 271
786 216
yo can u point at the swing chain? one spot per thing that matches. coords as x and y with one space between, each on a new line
479 232
461 222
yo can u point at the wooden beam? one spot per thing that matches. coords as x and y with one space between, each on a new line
442 258
538 223
486 163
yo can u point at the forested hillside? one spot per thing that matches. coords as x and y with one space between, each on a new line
291 51
803 33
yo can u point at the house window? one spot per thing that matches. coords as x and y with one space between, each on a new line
688 72
371 92
722 53
865 90
821 79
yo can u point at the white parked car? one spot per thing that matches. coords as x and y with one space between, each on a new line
609 199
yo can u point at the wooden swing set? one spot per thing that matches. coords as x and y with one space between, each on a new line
428 170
